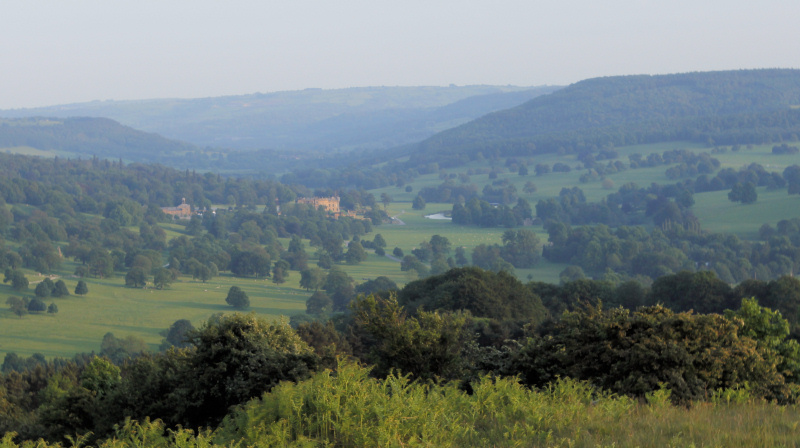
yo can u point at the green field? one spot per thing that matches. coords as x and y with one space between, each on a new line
82 321
715 211
30 151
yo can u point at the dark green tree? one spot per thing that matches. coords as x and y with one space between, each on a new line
461 256
312 278
162 278
378 285
18 280
483 293
60 289
238 357
18 306
237 298
355 253
653 347
319 304
36 306
521 248
44 288
386 200
280 271
178 334
744 193
81 288
136 278
378 241
427 346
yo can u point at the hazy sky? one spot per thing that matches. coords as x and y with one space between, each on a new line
63 51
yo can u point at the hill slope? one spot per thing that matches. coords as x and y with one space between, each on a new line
99 137
309 120
631 109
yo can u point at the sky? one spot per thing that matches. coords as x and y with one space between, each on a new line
58 52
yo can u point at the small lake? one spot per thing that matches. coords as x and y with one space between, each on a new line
438 216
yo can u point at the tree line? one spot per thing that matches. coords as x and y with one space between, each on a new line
458 326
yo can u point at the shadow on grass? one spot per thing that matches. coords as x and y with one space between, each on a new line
198 306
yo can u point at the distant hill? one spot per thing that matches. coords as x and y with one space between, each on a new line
99 137
722 107
308 120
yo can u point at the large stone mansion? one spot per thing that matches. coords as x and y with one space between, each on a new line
331 204
183 211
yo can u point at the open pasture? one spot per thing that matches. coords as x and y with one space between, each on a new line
82 321
714 210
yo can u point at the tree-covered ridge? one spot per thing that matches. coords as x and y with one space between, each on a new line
87 136
740 105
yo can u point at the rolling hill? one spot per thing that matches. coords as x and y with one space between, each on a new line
308 120
744 106
83 136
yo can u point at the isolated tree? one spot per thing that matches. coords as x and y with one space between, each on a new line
81 288
36 306
419 203
18 306
280 271
60 289
542 168
386 200
52 309
162 278
397 252
136 278
237 298
529 187
744 193
378 241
